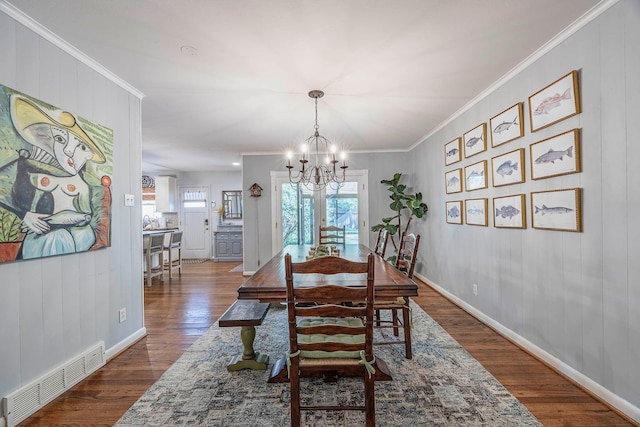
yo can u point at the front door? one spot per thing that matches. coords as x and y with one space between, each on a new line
194 213
299 211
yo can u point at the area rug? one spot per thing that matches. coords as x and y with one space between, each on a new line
237 269
443 385
194 260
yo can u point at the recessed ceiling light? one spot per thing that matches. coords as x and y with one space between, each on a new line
235 164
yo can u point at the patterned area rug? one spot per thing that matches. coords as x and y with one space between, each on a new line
441 386
238 268
194 260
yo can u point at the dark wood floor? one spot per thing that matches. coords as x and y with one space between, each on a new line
177 312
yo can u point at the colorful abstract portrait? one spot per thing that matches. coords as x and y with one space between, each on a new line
55 180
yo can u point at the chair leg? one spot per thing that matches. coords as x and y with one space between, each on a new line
370 401
396 326
406 318
294 382
378 318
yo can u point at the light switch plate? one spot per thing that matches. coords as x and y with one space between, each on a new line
129 200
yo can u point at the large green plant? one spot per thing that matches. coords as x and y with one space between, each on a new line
404 205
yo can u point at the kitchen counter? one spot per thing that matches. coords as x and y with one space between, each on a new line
158 230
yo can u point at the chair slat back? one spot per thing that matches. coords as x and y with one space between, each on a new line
332 235
408 254
327 299
381 242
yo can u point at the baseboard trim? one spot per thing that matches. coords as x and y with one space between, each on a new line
125 344
621 405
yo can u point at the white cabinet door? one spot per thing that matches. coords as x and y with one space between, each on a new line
166 194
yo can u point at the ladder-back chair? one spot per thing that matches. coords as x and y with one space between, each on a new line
327 337
405 262
381 242
332 235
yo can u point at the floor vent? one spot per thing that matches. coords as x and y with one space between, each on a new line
21 404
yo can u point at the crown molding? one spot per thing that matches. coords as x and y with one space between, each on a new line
43 32
588 16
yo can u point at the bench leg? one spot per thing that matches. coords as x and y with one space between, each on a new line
249 359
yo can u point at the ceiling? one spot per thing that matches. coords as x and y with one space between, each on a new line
223 78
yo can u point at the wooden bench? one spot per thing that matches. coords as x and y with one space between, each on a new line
247 314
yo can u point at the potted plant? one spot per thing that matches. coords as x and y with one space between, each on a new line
405 207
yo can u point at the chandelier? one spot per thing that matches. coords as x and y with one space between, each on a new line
322 173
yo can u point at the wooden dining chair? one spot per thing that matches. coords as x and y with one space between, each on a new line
405 262
173 252
326 337
332 235
381 242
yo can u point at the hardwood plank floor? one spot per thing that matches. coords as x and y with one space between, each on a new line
177 312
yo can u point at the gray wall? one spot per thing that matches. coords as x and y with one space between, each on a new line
576 296
55 308
257 219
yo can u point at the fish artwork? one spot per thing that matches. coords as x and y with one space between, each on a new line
475 179
452 152
473 141
508 211
453 181
475 211
504 126
507 168
454 212
553 210
551 156
551 102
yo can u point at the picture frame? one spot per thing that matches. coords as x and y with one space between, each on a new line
509 211
508 168
555 156
475 176
476 212
453 181
452 153
475 141
555 102
454 212
507 126
557 210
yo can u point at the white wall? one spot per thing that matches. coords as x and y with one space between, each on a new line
55 308
574 296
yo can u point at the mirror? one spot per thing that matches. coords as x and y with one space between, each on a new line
232 202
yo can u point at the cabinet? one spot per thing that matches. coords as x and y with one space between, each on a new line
166 194
228 243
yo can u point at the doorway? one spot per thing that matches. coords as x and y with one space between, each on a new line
194 218
299 211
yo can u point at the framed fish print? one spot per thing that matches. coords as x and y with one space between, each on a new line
508 168
475 141
452 152
557 210
558 155
556 102
475 176
453 181
454 212
476 211
507 126
509 212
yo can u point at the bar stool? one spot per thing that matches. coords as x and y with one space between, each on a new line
152 246
173 249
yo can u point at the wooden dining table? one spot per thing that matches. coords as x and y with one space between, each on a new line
268 284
